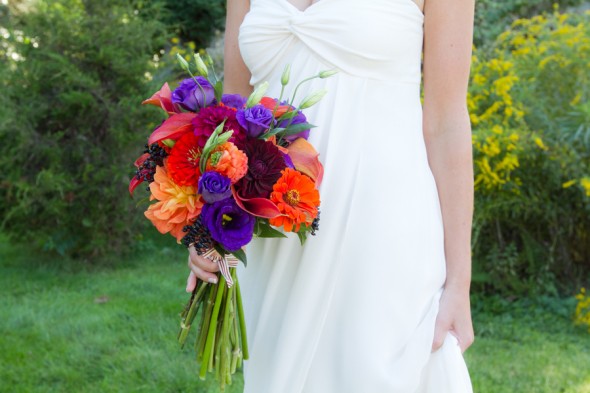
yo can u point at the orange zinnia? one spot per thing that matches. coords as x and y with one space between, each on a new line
177 205
229 161
297 199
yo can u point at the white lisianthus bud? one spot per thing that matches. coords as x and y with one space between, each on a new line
327 73
183 62
285 76
312 99
257 95
201 67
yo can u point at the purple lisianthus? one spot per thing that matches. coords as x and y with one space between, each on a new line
190 96
234 100
299 118
288 161
255 120
228 224
214 187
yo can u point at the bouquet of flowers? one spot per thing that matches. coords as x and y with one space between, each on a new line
222 169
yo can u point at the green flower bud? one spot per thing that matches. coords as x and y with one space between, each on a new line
183 62
257 95
201 67
285 76
312 99
207 59
327 73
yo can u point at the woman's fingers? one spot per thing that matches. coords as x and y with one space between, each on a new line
191 282
464 338
202 274
202 262
202 267
440 331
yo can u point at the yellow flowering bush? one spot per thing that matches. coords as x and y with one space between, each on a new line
582 313
529 107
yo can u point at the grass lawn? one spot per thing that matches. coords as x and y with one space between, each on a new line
69 327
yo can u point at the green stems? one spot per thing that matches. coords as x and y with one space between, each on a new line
241 318
221 342
210 336
192 312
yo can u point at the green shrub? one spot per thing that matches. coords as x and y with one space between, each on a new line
195 20
492 17
528 101
73 74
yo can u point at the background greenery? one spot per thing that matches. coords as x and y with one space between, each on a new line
90 301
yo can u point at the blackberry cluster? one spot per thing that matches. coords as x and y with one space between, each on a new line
146 171
199 234
315 225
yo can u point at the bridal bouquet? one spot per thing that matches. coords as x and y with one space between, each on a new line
222 169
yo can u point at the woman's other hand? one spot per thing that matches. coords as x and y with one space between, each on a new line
454 316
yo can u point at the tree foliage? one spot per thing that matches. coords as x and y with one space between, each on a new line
73 75
195 20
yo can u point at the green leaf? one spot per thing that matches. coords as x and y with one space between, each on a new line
271 132
169 142
241 255
219 248
266 230
302 237
297 128
218 88
288 115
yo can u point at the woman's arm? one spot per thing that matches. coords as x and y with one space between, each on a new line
236 74
236 80
448 32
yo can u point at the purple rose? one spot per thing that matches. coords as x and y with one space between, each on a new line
228 224
299 118
214 187
255 120
190 96
234 100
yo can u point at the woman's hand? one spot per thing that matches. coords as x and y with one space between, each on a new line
454 316
201 268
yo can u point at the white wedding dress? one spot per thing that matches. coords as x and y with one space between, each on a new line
353 311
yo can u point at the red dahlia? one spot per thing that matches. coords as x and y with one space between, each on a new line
265 163
210 117
183 161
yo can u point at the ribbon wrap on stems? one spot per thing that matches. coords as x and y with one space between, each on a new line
224 262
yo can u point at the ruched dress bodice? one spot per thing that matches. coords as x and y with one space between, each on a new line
353 310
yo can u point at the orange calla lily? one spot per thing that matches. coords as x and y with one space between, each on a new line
306 160
163 99
270 103
259 207
174 127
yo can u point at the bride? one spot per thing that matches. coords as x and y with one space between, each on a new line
378 300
